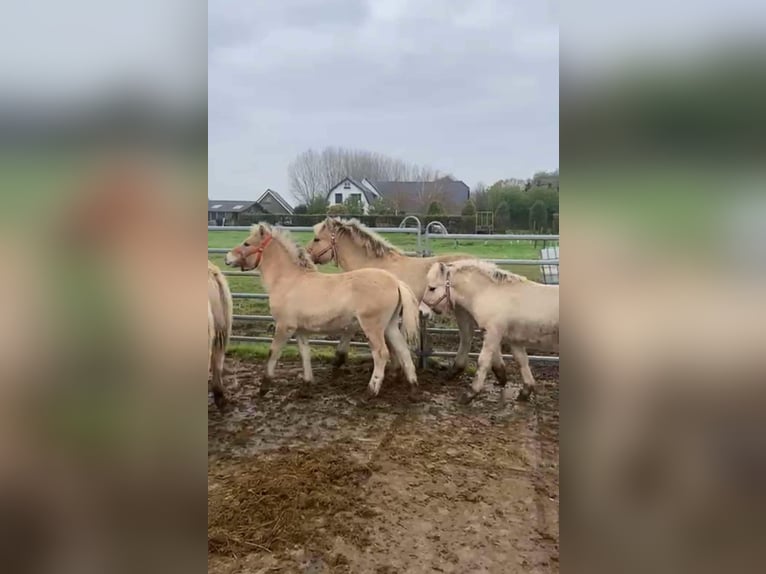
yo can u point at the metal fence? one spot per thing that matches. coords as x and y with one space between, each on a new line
434 230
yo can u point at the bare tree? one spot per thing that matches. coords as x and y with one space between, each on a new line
312 174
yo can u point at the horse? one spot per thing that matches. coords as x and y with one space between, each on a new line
352 245
219 331
505 306
303 301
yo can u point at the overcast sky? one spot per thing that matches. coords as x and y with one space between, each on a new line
469 87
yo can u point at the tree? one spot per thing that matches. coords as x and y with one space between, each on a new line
301 209
538 216
317 205
380 206
353 206
313 173
435 208
469 209
502 217
337 209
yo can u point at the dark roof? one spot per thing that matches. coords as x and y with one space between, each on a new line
408 194
281 200
228 206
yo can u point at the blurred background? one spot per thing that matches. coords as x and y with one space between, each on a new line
663 430
103 177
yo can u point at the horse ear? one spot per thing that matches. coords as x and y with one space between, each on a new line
261 229
442 268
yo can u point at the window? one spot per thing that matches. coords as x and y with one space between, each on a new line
338 198
346 185
216 206
356 197
236 207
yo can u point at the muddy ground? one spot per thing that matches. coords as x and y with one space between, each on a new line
331 481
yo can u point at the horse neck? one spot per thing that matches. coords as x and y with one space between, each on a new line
277 266
352 256
462 293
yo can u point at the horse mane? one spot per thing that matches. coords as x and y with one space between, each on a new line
362 235
489 270
282 236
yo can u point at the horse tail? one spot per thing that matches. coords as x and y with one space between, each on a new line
409 309
223 333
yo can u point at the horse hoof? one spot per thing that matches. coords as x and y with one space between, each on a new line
467 397
454 372
220 401
523 395
339 360
304 392
266 384
501 376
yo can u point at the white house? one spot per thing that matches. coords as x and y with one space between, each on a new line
348 188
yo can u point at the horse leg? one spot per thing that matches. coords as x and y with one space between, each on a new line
281 335
520 354
396 365
380 355
400 352
219 355
466 326
498 368
490 346
305 351
341 351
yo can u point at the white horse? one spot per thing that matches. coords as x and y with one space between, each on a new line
303 301
504 305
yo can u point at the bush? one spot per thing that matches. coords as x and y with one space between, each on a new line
469 210
338 209
301 209
435 208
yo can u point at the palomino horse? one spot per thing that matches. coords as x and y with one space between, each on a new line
220 312
303 301
353 246
505 305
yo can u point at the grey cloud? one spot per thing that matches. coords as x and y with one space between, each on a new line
468 87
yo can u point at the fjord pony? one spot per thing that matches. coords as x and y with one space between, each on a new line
505 305
353 246
304 301
219 320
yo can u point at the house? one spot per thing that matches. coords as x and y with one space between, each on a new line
272 202
229 212
349 188
403 196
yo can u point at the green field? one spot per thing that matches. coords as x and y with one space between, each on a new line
487 249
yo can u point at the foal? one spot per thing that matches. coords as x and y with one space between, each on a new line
304 301
505 305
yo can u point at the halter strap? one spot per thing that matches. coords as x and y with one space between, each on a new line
257 251
333 247
446 295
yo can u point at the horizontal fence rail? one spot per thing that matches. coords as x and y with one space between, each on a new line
424 239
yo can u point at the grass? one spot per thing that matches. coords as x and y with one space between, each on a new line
485 249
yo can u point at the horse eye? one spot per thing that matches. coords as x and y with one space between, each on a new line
432 288
316 239
246 244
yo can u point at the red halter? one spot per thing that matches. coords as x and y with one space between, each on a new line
246 252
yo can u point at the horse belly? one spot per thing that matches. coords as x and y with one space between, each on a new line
537 335
327 322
